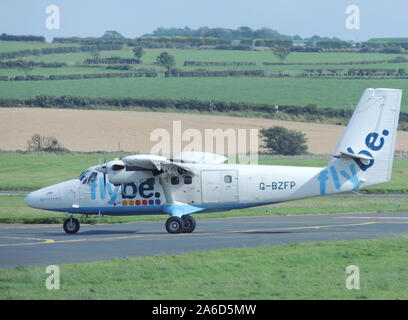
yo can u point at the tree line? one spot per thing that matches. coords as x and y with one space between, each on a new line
111 60
92 41
398 59
10 37
363 72
225 33
217 63
175 72
57 50
46 101
29 64
134 74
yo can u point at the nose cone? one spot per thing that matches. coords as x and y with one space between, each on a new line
55 197
33 199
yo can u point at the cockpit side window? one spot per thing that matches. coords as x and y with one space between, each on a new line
83 175
92 178
89 177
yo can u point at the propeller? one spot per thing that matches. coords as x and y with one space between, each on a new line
103 169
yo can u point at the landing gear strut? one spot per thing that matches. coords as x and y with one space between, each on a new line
185 224
71 225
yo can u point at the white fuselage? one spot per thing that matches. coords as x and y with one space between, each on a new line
213 188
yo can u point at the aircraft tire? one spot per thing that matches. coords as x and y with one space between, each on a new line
189 224
71 225
174 225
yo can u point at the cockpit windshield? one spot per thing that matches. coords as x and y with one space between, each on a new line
88 176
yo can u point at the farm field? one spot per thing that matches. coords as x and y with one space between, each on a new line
106 130
181 55
335 93
258 57
7 46
323 92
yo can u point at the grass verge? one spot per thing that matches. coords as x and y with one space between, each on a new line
296 271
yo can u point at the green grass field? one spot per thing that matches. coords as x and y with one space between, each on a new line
7 46
182 55
339 93
219 55
336 93
297 271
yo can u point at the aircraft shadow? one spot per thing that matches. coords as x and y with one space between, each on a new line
94 232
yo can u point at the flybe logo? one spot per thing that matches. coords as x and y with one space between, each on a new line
374 143
128 192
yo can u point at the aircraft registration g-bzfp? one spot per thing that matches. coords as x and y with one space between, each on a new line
196 182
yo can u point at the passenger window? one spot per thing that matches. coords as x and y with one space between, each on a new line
227 179
188 180
175 180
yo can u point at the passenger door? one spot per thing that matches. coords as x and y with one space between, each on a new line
219 186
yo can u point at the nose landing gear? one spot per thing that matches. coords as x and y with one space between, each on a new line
71 225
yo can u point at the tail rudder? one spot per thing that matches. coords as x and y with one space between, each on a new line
368 143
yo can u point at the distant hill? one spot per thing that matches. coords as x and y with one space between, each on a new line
388 40
224 33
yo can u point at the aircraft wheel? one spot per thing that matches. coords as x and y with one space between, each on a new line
189 224
174 225
71 225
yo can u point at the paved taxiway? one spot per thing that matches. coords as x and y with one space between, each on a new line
22 245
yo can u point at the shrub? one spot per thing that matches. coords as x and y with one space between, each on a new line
44 143
280 140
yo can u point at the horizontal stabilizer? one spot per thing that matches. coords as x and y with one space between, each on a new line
344 154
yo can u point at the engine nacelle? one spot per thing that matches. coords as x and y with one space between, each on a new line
120 173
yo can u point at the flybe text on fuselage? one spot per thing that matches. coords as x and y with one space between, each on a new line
144 190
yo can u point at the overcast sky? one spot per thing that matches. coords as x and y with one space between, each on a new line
132 18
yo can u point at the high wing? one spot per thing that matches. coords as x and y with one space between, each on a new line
178 165
200 157
161 164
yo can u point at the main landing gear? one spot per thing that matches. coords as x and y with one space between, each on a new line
185 224
71 225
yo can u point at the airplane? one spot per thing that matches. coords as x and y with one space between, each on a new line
198 182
